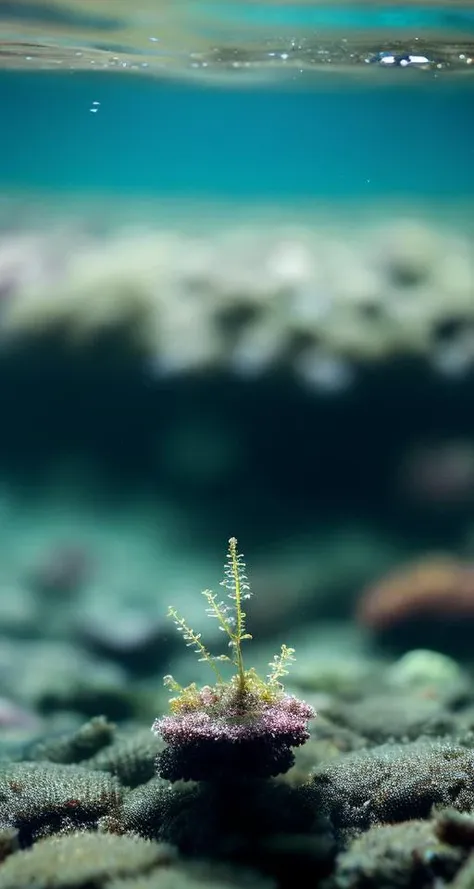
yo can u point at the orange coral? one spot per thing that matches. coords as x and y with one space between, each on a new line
437 586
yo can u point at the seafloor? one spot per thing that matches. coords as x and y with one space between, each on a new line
306 387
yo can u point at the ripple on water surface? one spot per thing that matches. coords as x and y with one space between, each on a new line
248 40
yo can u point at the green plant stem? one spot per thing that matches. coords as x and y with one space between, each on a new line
238 614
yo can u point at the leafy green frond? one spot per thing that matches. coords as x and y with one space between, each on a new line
170 683
221 612
278 665
193 640
236 582
245 684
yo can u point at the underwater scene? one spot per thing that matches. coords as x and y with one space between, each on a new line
237 444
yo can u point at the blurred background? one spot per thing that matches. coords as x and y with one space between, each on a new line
236 298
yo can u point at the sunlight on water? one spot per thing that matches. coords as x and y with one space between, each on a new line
252 39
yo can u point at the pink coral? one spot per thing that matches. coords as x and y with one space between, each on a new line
207 744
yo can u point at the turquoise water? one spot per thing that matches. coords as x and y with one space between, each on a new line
76 131
342 15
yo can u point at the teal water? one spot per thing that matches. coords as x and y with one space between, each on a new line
102 132
345 15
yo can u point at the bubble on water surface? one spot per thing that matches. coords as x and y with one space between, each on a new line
247 40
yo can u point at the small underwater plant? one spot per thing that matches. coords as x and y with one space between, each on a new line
242 728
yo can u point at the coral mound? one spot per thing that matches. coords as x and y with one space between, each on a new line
203 746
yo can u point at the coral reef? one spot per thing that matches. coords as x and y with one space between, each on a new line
236 786
9 842
306 300
132 757
87 814
81 859
54 675
84 808
455 828
359 808
70 748
40 798
395 782
196 875
402 855
144 807
397 716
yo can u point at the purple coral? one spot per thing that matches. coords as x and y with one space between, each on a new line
250 739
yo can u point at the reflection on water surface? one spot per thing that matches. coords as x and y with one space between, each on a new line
245 40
